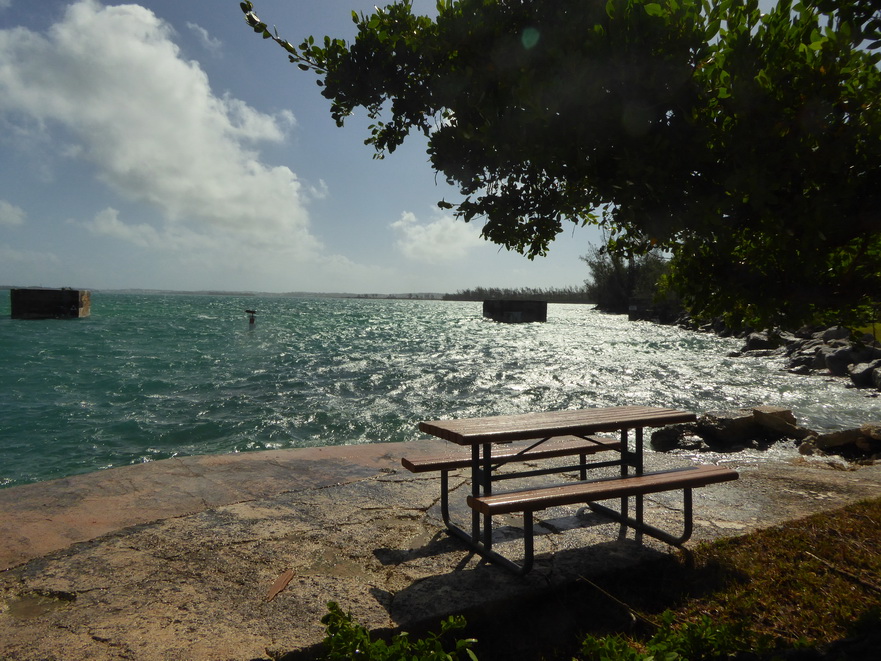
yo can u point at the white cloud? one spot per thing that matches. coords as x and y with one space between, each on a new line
443 239
11 215
12 256
209 43
107 223
149 123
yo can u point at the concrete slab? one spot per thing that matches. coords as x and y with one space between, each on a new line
174 560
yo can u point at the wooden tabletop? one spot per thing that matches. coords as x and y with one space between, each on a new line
504 428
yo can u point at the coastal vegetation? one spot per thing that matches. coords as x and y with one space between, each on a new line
346 640
807 589
618 284
742 143
614 285
551 295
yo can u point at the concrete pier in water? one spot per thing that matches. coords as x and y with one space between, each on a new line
44 303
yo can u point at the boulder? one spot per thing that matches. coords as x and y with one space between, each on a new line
838 360
779 421
806 332
866 353
804 347
666 438
760 341
803 355
876 378
838 439
867 445
774 412
809 446
753 426
835 333
820 355
728 428
676 437
871 430
862 374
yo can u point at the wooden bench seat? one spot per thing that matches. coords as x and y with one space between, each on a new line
529 501
563 446
603 489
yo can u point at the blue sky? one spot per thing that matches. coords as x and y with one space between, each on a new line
163 145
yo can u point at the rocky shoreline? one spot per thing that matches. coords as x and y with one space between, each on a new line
830 352
762 426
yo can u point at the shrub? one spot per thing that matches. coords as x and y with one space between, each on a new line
346 640
700 641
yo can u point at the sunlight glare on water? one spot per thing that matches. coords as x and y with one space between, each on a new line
155 376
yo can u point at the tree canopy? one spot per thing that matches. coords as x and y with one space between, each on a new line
746 145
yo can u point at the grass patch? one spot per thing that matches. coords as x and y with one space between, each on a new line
806 585
807 580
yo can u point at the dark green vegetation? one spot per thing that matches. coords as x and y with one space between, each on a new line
745 145
346 640
809 584
551 295
614 284
617 282
807 590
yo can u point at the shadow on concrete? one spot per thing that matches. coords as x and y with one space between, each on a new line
546 623
440 544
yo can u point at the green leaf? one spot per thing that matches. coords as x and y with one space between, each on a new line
610 8
654 9
713 29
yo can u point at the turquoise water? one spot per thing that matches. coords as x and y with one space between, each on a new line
148 377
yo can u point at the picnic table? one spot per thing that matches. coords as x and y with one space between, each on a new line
488 443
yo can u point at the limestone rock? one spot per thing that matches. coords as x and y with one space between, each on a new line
779 421
667 438
728 428
809 446
676 437
862 373
871 430
838 360
758 341
835 333
838 439
868 445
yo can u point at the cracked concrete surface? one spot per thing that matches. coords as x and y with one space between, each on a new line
174 560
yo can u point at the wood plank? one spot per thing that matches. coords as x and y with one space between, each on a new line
556 447
583 422
583 492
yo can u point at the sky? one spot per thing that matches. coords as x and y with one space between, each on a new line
164 145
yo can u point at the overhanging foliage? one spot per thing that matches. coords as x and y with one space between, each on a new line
746 145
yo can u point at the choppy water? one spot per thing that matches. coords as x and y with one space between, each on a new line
154 376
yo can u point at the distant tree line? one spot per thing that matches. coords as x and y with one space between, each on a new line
616 284
552 295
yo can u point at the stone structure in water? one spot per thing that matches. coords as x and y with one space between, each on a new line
515 312
44 303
